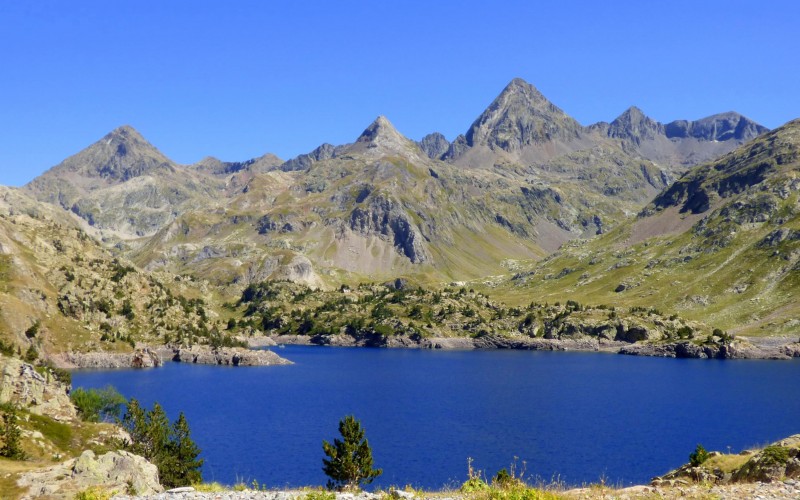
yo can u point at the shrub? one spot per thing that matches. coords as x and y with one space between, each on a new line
33 330
349 462
95 405
31 354
775 455
698 456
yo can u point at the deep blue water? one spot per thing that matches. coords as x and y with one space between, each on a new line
574 416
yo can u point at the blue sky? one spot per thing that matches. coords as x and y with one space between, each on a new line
241 78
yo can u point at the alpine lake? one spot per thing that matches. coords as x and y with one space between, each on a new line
568 417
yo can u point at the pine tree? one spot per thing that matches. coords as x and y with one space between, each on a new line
185 451
169 447
349 462
11 436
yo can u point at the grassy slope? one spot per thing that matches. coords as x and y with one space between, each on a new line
728 269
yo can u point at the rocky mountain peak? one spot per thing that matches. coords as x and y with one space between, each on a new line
434 145
521 116
381 133
719 127
120 155
634 125
380 128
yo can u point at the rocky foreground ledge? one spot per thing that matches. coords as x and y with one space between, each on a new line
147 357
764 491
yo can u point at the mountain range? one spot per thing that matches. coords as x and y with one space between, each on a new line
697 218
523 179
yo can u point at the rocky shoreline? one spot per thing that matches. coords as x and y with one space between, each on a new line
739 349
148 357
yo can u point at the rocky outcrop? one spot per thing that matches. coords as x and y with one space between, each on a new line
386 218
118 471
304 161
139 358
791 350
42 394
780 461
229 356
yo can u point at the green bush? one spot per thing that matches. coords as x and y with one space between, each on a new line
95 405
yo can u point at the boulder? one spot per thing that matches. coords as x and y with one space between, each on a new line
115 471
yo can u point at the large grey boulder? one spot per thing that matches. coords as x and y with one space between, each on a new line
115 471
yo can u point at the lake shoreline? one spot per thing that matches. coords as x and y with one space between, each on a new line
742 349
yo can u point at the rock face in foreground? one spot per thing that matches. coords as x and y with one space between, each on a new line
139 358
22 385
119 471
230 356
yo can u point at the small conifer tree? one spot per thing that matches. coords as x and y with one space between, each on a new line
11 435
349 462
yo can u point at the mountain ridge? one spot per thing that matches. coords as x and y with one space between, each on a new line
524 179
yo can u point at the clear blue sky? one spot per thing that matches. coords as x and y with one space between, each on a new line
238 79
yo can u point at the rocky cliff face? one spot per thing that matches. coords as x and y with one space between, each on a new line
39 393
383 216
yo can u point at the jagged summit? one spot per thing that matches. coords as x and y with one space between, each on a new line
521 116
435 145
634 125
